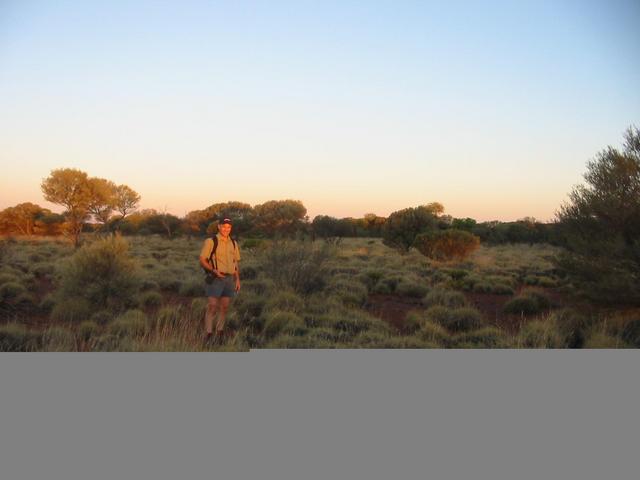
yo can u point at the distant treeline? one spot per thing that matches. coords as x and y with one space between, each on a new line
272 218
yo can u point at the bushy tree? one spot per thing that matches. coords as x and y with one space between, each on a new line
283 217
69 187
23 219
126 200
102 199
103 274
446 244
600 226
403 226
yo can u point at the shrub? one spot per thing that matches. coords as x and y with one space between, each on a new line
529 302
278 322
102 317
192 287
43 270
10 290
463 319
539 334
433 333
353 322
114 343
487 337
446 244
102 273
571 328
16 338
350 293
58 339
285 300
130 323
151 299
413 290
249 273
297 264
370 278
447 298
47 303
169 316
413 321
87 329
455 319
6 277
521 306
199 307
631 333
603 340
292 342
71 310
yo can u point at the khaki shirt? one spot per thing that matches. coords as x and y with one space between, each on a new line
226 256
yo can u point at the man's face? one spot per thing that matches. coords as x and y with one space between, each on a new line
224 229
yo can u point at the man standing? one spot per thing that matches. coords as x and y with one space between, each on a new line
219 257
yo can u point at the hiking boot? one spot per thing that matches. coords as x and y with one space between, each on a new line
219 338
207 340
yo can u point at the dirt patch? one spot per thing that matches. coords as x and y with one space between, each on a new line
392 309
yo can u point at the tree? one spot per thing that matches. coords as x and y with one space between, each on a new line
402 227
126 200
600 226
198 221
22 219
446 244
280 216
103 199
69 187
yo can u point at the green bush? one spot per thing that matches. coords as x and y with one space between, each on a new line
87 329
410 289
114 343
350 293
631 332
43 270
463 319
446 298
249 273
604 340
529 302
47 303
17 338
103 274
192 287
283 322
572 328
521 306
199 307
129 324
455 319
433 333
102 317
9 277
298 264
71 310
285 300
413 321
58 339
151 299
10 290
487 337
539 334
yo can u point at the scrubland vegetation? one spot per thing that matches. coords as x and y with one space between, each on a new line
146 294
423 280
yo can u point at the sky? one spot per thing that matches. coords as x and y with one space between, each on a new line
491 108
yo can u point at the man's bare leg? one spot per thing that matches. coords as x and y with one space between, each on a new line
224 306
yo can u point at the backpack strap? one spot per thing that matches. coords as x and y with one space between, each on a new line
212 261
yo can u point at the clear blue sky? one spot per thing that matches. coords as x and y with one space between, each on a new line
491 108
